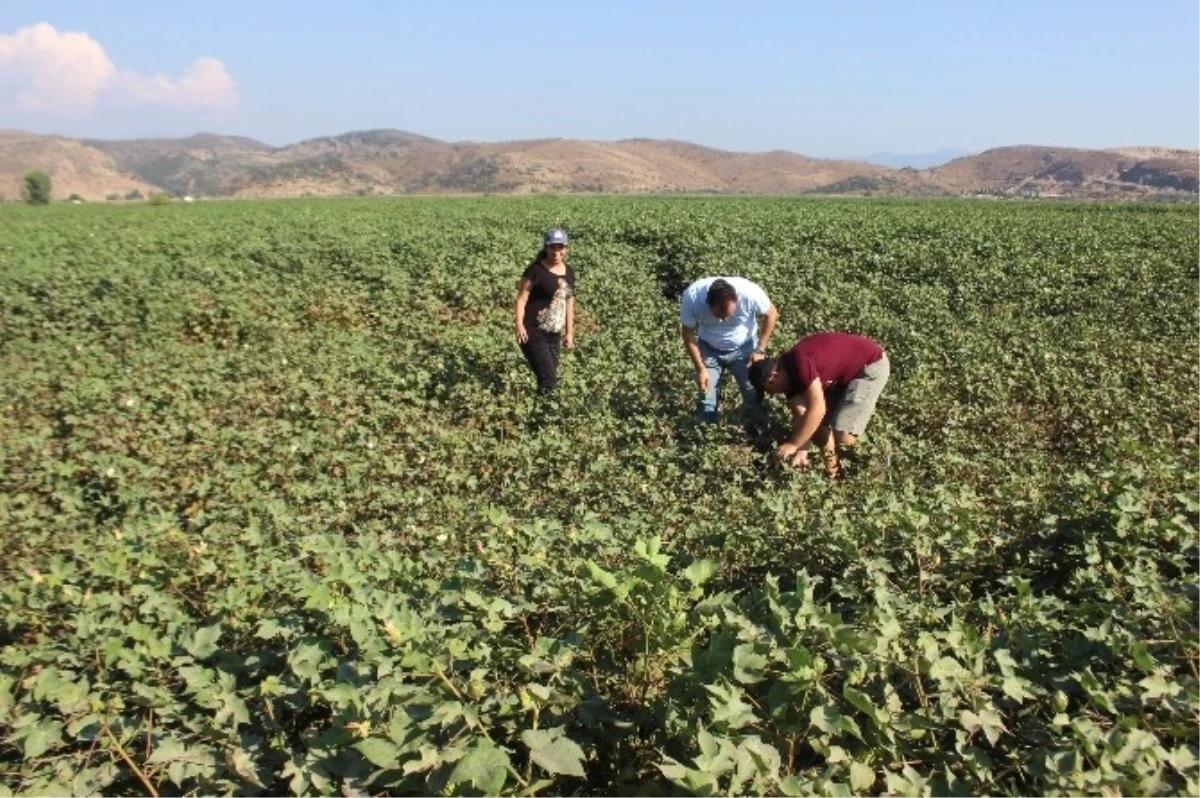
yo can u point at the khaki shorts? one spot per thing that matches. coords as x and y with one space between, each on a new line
850 409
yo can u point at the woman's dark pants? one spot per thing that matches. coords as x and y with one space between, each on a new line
542 353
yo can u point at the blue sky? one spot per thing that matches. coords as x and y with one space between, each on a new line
820 78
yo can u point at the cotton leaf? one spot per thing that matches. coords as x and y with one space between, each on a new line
985 720
554 752
378 752
44 736
700 571
484 766
862 777
204 641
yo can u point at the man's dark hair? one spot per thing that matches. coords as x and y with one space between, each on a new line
760 372
719 292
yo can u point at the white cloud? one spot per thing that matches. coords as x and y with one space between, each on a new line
54 71
205 83
46 70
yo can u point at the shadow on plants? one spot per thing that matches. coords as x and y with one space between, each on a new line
453 370
632 409
676 260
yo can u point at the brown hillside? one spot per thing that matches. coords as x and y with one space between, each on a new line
363 142
1070 172
1181 174
1147 153
775 172
74 167
206 164
398 162
1009 167
545 165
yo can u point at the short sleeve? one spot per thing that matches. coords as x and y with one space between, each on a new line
687 309
799 368
760 303
806 371
571 278
529 273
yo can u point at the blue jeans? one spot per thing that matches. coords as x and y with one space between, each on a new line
718 362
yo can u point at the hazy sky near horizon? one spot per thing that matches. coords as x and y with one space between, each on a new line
819 78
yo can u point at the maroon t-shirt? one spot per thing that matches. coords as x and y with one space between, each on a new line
836 358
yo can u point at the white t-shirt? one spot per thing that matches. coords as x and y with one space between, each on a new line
734 331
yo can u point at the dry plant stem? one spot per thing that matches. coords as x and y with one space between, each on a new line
1191 659
91 751
528 633
457 694
132 765
920 686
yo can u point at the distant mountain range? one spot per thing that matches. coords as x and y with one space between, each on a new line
917 160
389 162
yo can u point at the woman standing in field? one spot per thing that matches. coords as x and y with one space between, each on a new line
545 310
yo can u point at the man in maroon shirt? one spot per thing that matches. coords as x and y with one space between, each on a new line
832 381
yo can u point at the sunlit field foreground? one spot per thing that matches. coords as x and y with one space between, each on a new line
281 512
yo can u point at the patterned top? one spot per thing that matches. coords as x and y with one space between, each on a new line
546 309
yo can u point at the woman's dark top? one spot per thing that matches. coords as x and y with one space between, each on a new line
546 308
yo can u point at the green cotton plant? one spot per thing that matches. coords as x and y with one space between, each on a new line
654 612
277 518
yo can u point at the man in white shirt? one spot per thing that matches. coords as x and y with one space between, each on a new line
719 320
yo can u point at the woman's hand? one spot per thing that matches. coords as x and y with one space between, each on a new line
522 336
569 342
